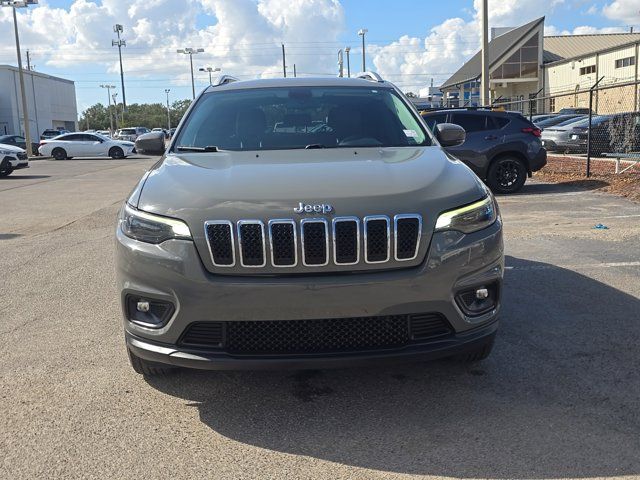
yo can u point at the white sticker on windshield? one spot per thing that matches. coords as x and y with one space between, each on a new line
411 133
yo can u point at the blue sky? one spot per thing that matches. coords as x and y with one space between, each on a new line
409 41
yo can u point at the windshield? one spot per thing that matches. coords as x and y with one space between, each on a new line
301 117
595 120
128 131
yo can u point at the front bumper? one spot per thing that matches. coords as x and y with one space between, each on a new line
174 272
16 163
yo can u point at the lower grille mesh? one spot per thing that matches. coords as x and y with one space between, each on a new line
327 335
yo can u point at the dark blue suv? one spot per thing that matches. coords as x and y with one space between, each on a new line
502 148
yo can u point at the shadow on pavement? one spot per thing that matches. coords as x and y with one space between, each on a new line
559 397
9 236
562 187
25 177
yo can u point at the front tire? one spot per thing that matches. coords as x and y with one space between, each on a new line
147 368
5 169
116 153
59 153
506 175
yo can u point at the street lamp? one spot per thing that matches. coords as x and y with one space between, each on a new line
109 87
210 70
347 50
191 52
362 32
167 90
120 43
25 114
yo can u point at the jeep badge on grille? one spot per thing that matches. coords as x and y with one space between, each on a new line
316 208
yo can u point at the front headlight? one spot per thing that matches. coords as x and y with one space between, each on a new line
7 152
469 218
150 228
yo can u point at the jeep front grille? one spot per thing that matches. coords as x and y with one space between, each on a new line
314 242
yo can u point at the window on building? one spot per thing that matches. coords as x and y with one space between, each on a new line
588 70
552 104
522 64
625 62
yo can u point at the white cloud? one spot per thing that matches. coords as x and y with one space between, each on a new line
627 11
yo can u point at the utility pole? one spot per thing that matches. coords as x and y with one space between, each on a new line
210 70
191 52
484 98
120 43
28 61
115 107
294 71
25 112
362 32
167 90
347 50
109 87
340 64
284 63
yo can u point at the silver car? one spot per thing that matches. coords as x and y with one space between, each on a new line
307 223
557 137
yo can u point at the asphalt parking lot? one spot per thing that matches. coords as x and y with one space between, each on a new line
558 398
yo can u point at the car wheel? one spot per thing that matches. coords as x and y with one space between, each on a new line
506 175
147 368
116 152
59 153
478 353
5 169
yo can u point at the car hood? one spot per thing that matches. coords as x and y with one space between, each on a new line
11 148
269 184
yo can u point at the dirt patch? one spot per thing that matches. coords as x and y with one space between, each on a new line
572 172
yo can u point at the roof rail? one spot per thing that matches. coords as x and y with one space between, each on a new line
371 76
224 79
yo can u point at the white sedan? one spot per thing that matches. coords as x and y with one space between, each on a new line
83 144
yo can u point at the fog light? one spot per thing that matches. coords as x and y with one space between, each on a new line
478 300
481 294
148 312
142 307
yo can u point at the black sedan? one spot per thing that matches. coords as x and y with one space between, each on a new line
18 141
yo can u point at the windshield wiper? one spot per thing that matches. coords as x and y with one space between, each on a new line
314 145
188 148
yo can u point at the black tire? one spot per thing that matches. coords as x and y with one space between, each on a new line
59 153
116 153
506 174
5 169
479 353
147 368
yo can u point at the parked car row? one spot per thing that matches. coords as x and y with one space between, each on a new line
85 145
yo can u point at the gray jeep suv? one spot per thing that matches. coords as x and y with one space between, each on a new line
307 223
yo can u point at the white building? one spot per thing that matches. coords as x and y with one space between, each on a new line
51 102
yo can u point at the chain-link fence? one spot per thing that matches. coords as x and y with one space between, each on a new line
598 127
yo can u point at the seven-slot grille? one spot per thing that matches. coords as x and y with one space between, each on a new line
318 241
316 336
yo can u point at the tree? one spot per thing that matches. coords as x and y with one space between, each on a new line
149 115
411 95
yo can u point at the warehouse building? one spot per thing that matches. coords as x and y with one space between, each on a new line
51 102
523 64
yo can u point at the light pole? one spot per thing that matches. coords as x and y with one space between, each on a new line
347 50
210 70
109 87
120 43
167 90
362 32
25 114
115 107
191 52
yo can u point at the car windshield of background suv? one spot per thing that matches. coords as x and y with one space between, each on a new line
302 117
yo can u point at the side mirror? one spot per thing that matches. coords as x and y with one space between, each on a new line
450 134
